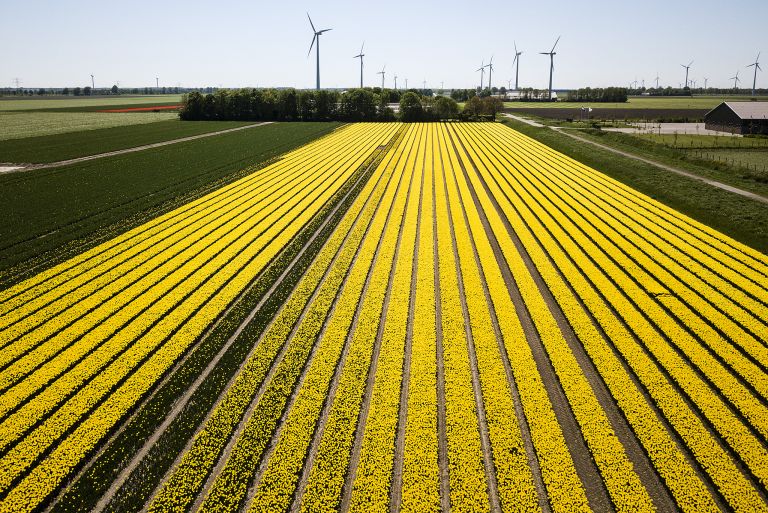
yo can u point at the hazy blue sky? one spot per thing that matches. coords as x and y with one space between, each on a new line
247 43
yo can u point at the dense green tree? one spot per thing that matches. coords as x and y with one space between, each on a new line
410 107
445 108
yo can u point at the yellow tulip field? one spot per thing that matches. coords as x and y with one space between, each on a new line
487 325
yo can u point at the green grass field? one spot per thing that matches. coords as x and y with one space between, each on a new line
20 125
53 213
705 141
640 102
11 103
63 146
755 158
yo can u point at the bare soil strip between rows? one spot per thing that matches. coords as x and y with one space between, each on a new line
706 347
643 207
589 474
178 301
592 206
485 439
182 401
694 408
32 167
266 456
365 407
396 491
442 438
700 372
267 378
331 395
233 198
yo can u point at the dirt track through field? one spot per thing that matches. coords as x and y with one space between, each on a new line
32 167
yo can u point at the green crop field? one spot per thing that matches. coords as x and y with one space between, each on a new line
635 102
69 102
20 125
63 146
48 208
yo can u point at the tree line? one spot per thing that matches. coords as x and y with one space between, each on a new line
598 95
366 104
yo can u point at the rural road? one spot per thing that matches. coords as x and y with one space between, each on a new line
713 183
31 167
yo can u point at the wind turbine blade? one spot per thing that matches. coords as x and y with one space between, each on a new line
689 64
311 44
361 48
324 30
553 46
515 43
312 24
515 59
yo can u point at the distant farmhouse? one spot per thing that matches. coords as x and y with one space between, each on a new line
738 118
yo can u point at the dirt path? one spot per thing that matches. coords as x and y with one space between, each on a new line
31 167
708 181
524 120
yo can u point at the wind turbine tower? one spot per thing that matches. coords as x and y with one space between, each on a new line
551 54
736 81
688 67
481 69
516 63
657 80
316 36
490 73
395 82
382 75
360 56
756 64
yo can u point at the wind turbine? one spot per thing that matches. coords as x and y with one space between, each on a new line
395 82
657 80
317 34
551 54
93 84
490 73
705 83
382 75
736 81
481 69
516 60
686 72
756 64
360 56
157 82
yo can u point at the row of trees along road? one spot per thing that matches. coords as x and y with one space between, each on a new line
367 104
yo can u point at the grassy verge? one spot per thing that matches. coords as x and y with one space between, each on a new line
53 148
51 214
723 171
743 219
85 493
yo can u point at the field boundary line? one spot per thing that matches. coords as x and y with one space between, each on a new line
77 160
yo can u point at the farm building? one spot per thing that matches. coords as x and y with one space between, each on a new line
738 118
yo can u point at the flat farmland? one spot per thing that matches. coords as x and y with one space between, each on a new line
10 104
415 317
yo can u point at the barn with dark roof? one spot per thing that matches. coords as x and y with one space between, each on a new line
738 118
